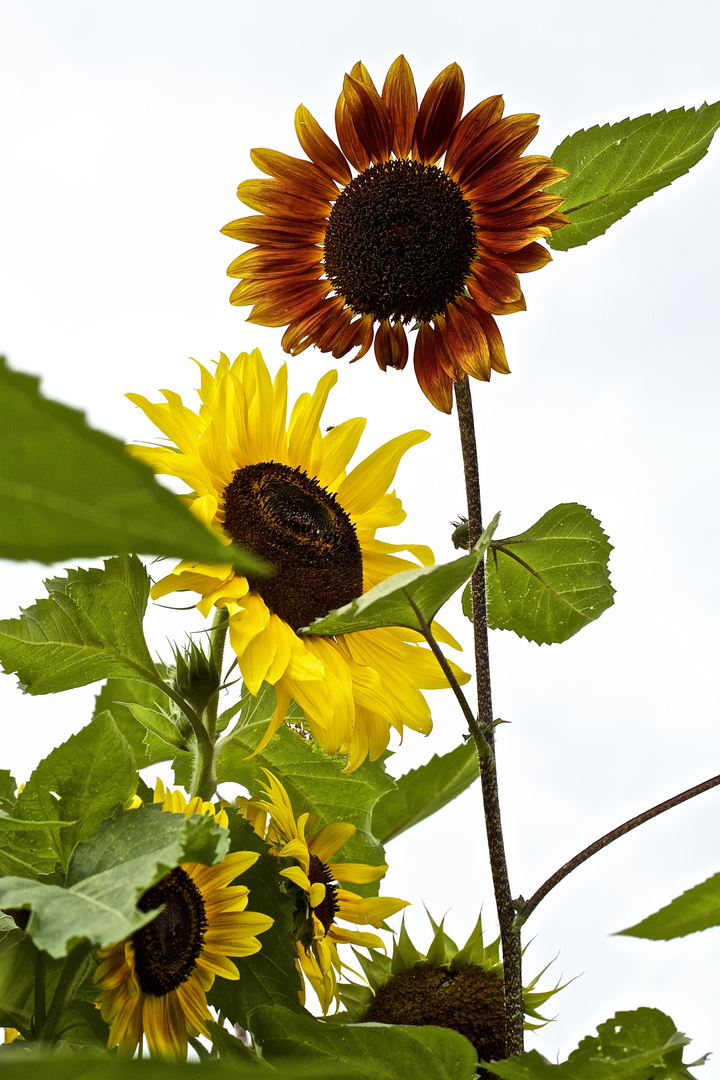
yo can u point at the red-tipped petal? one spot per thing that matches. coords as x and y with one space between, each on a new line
261 229
503 141
469 130
370 117
351 143
391 346
465 339
532 257
320 148
305 173
496 279
261 262
400 96
438 114
282 198
435 384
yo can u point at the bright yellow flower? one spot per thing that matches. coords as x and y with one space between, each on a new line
153 984
280 488
324 901
406 240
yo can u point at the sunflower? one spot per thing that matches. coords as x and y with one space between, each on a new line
321 900
280 489
153 984
378 232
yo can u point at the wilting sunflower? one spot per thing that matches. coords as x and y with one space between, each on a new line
419 218
320 899
280 489
153 984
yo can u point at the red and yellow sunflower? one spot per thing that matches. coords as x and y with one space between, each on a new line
420 218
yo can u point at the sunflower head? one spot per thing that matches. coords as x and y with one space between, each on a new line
420 218
448 987
271 478
152 986
321 901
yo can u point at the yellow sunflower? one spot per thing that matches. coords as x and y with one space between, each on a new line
381 232
323 901
279 487
153 984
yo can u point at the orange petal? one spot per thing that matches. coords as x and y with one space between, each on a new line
263 262
351 143
320 148
282 198
532 257
439 113
465 340
435 384
502 179
261 229
279 310
506 139
391 346
400 96
470 128
325 317
495 279
284 167
371 118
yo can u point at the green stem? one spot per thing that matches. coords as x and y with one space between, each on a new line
204 780
74 971
40 1001
510 934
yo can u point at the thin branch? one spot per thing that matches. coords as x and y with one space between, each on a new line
526 907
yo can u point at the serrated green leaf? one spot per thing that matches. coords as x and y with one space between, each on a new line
381 1051
70 491
88 628
696 909
270 976
85 780
616 166
552 580
315 783
156 721
107 876
629 1046
389 603
111 698
425 790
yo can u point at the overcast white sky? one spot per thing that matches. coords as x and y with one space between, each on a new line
125 131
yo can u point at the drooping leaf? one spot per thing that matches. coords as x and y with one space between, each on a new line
85 780
389 603
630 1046
268 977
552 580
88 628
107 875
615 166
70 491
381 1051
696 909
314 782
425 790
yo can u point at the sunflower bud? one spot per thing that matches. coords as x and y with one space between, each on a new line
197 677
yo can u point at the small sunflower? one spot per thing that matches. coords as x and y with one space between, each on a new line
153 984
462 989
279 488
321 900
379 233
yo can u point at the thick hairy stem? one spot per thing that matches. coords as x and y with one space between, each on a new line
526 908
218 635
509 932
76 968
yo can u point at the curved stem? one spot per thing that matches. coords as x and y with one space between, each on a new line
73 973
204 780
218 634
510 934
477 734
526 907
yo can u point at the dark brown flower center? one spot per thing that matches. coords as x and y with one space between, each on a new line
328 909
470 1000
285 516
400 241
167 948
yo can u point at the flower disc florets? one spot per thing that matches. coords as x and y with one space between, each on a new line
167 948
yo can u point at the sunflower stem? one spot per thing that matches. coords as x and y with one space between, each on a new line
509 932
218 634
40 1001
74 971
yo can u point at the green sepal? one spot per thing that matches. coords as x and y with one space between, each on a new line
616 166
549 582
442 948
393 602
70 491
695 909
404 955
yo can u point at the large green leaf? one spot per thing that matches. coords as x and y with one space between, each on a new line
107 876
20 1062
88 628
616 166
425 790
68 490
393 602
630 1046
315 783
696 909
114 698
268 977
552 580
85 780
380 1051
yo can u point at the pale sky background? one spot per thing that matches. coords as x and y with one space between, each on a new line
126 128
